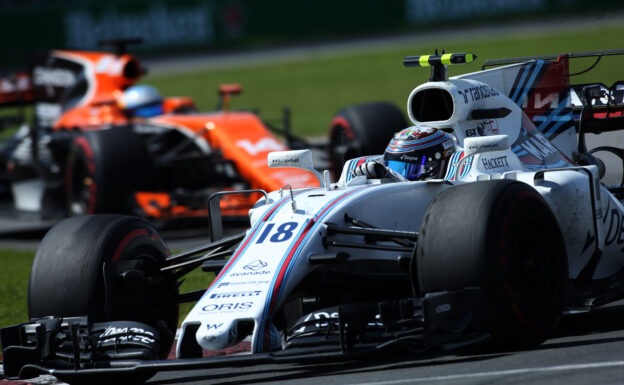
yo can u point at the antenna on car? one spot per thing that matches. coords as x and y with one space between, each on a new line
438 63
225 93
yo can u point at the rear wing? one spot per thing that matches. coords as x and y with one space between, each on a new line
604 106
557 57
601 107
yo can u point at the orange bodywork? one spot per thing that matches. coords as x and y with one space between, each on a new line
240 137
107 76
245 140
160 205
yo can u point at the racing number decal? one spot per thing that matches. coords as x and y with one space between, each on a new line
284 232
265 233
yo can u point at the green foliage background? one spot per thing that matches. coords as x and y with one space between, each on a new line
316 88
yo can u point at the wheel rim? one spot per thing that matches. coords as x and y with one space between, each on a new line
534 264
149 299
146 300
80 194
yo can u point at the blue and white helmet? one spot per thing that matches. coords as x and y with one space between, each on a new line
419 152
142 100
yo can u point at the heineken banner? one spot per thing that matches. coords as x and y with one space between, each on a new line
169 25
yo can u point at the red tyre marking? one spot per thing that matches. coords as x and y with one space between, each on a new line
86 147
157 238
92 195
344 123
529 194
126 240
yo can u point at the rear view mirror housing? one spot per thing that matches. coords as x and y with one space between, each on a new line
301 159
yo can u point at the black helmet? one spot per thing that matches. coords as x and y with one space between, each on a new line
419 152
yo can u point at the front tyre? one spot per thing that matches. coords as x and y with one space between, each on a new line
106 267
501 236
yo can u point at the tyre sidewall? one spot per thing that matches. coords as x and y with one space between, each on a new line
136 238
467 238
68 273
522 220
118 164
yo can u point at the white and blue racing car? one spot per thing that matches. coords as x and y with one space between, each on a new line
523 225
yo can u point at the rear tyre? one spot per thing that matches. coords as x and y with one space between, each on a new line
500 236
104 169
362 129
106 267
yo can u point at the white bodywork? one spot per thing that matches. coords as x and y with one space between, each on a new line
273 258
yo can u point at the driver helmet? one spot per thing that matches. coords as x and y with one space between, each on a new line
143 101
419 152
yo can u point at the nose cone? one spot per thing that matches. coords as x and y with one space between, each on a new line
215 336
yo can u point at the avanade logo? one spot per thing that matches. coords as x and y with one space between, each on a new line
255 265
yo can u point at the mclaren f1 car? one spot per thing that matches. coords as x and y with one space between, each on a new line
521 228
88 150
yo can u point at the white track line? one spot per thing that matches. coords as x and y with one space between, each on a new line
557 368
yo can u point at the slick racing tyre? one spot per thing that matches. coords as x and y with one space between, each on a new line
105 267
500 236
362 129
104 169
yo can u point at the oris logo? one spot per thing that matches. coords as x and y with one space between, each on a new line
227 306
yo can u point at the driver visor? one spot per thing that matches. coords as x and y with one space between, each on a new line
411 171
149 111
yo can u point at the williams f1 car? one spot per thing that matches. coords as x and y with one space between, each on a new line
87 152
521 229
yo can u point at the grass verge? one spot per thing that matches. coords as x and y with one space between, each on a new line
14 286
316 88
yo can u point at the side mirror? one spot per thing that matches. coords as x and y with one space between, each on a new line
301 159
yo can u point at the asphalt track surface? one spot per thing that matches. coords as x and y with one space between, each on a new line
586 350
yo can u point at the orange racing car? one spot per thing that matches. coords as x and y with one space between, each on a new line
101 143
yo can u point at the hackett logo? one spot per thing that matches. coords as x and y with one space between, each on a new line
489 164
